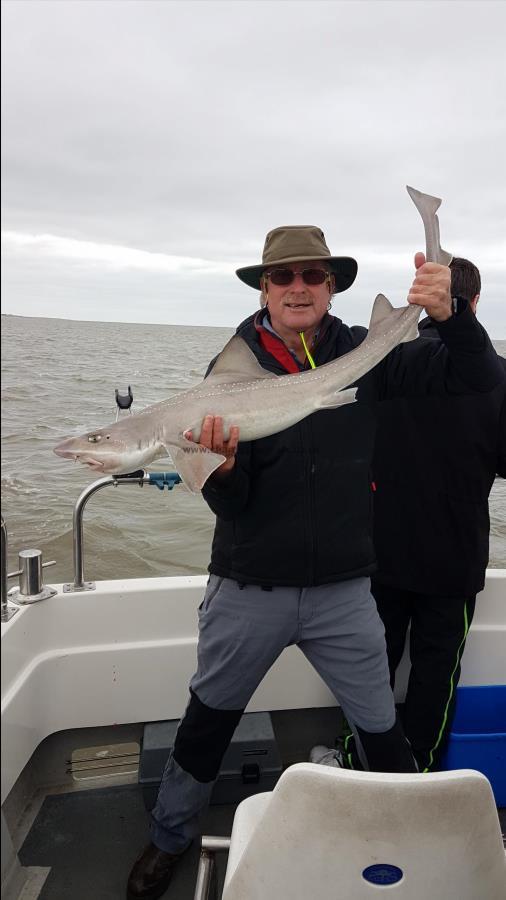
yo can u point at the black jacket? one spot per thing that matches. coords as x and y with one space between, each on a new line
434 465
297 507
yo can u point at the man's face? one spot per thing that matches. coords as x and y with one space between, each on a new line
297 306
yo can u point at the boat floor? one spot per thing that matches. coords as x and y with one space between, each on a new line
90 839
83 843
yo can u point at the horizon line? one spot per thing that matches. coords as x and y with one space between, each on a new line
156 324
113 321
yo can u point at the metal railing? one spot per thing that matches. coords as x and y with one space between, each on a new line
206 875
140 478
7 611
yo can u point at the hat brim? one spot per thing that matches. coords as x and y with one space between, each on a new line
344 269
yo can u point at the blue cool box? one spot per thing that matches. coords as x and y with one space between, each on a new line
478 735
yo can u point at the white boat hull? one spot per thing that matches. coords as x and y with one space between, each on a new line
125 653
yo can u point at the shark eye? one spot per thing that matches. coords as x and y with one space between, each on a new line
94 438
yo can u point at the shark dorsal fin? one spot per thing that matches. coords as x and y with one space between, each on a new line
237 362
381 309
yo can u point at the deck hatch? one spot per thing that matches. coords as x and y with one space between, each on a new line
104 761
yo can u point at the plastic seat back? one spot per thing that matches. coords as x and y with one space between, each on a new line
332 834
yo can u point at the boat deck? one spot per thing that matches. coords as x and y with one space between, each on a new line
89 839
82 844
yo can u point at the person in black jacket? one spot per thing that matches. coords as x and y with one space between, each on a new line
292 551
434 465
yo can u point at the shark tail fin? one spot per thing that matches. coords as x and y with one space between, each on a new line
425 203
194 463
427 206
443 257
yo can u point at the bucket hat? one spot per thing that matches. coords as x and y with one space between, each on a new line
298 243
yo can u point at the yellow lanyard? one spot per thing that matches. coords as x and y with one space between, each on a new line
310 358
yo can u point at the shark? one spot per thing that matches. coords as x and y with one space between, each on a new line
245 395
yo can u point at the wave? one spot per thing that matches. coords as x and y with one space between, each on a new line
15 487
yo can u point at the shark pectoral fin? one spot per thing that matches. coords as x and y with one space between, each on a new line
194 463
338 398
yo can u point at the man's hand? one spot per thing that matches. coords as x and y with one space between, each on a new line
211 437
431 289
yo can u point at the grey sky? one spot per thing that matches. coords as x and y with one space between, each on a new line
149 146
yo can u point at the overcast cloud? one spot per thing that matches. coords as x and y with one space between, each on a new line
149 146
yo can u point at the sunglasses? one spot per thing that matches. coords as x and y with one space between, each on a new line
284 277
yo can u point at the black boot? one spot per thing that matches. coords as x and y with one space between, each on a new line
151 874
388 751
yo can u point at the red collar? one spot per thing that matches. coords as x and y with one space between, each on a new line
276 347
278 350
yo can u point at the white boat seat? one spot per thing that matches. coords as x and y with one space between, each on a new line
319 832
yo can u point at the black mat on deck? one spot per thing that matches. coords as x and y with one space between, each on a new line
90 840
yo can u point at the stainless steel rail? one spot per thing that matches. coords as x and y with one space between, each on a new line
7 611
206 884
78 550
4 563
160 479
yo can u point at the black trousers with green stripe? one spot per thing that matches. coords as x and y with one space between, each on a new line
439 627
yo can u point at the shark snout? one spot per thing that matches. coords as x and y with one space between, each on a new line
64 448
69 449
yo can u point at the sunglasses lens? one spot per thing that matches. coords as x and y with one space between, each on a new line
314 276
281 277
284 277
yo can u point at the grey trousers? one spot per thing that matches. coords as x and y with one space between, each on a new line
242 631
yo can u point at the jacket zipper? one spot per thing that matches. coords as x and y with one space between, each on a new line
311 470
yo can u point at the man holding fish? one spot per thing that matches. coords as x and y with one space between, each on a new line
292 551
